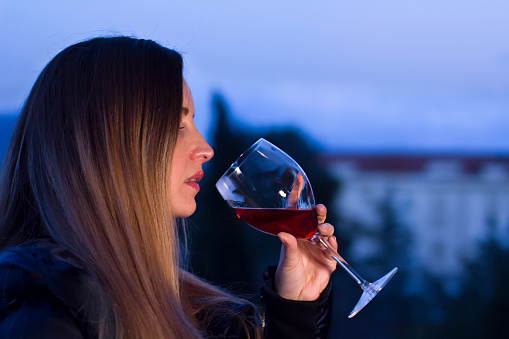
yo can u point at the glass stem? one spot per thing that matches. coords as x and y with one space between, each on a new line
322 242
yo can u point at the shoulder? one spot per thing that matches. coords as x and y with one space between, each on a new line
37 291
41 316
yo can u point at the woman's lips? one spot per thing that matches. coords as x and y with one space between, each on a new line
193 181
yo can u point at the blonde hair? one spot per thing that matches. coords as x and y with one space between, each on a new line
88 165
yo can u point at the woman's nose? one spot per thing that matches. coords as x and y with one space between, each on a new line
203 151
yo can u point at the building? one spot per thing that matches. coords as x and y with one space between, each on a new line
448 202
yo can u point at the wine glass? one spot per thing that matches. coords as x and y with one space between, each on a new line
268 190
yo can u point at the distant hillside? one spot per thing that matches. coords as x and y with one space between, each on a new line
6 126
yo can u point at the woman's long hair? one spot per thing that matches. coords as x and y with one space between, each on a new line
88 165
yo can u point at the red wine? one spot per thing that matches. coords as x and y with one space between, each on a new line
299 223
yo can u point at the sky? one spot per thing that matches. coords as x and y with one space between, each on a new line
368 75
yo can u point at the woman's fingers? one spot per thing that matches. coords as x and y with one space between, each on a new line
293 197
321 213
333 242
327 230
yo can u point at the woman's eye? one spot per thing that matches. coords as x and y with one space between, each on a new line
181 127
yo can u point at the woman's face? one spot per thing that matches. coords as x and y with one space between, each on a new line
191 151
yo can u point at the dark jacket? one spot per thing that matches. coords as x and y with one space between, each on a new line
45 294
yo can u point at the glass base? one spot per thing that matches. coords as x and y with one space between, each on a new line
370 290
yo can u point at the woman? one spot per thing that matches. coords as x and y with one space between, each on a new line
102 160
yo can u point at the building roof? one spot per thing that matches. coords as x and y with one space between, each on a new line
416 162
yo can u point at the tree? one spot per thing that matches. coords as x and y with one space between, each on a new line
224 249
391 314
218 241
482 309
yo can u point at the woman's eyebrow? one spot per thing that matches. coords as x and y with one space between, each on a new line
185 110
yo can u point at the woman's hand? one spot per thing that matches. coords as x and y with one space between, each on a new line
304 269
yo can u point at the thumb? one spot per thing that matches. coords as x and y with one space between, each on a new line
289 250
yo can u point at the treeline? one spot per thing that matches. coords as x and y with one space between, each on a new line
226 251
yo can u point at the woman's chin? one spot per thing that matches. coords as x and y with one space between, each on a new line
184 211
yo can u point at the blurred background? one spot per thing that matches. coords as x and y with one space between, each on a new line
397 110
